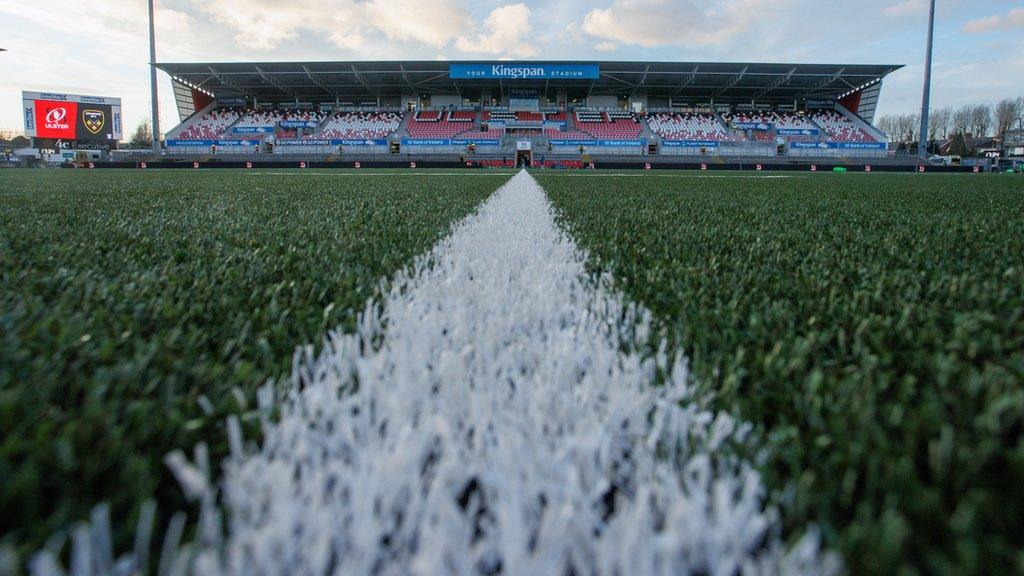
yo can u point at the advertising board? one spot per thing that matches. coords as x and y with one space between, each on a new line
71 116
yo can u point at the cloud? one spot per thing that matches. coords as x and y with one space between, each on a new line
431 22
266 24
110 20
506 32
652 23
905 7
605 46
1013 19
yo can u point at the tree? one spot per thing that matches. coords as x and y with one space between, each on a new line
938 123
905 127
958 145
887 124
962 120
1006 113
981 119
143 135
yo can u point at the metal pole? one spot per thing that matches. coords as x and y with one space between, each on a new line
152 80
922 145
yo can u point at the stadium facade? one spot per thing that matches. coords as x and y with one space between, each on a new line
560 108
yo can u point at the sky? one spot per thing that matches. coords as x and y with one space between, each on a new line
101 47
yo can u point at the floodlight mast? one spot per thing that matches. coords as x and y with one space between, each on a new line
922 142
152 81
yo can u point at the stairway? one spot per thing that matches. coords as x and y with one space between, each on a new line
403 127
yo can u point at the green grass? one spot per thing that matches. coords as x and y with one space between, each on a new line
870 326
138 309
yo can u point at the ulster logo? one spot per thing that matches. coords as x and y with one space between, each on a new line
93 120
56 118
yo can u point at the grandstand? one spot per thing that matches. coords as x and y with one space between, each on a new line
605 108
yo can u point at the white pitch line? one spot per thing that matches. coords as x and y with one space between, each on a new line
491 416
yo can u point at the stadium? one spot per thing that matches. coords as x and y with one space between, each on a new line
522 111
507 316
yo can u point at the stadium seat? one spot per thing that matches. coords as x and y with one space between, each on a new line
840 128
211 125
616 125
270 118
434 125
360 125
689 126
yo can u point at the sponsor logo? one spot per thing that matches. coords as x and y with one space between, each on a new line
60 97
93 120
525 71
92 99
56 118
30 122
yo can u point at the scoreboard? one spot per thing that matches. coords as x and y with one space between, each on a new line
72 117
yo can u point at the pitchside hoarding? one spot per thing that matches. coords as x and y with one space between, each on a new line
71 116
524 71
839 145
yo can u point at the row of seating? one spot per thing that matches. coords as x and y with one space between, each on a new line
233 122
689 126
432 126
499 116
360 125
609 125
840 128
211 125
462 116
270 118
442 124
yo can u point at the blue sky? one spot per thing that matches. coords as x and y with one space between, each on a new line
100 47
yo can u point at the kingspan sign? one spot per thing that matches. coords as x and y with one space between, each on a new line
524 71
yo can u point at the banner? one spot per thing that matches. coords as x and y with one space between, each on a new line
231 102
761 126
820 103
524 98
797 131
531 71
208 143
598 143
333 142
253 130
299 123
71 116
839 145
452 142
690 144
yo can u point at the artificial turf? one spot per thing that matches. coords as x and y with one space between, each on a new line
139 309
871 327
